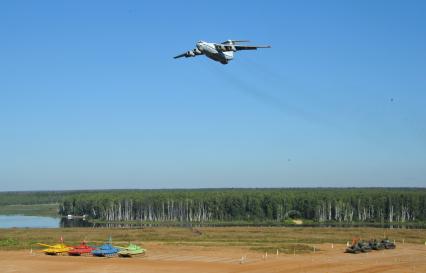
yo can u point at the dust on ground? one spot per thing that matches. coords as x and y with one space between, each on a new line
188 259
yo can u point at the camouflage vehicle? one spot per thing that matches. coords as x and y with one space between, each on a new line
354 248
364 246
388 244
376 245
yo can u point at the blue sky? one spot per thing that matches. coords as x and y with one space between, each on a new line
91 98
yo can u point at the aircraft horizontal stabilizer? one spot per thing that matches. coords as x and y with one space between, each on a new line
231 42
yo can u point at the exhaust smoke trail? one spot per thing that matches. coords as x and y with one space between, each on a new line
263 97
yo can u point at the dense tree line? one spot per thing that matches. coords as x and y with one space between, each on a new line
32 197
321 205
39 197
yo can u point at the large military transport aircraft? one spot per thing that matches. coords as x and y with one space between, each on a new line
222 53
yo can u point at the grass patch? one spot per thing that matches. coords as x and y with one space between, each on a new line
269 239
7 243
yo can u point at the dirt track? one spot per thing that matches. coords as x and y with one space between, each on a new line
164 258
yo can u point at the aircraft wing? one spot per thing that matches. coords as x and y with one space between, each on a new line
244 47
190 53
233 47
180 56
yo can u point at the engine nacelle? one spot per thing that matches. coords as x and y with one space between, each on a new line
196 51
190 54
231 48
220 48
224 48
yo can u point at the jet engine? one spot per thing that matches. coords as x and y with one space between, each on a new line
220 48
231 48
190 54
224 48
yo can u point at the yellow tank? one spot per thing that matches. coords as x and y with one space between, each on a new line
57 249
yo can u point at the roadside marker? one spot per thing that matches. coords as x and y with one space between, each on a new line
277 251
332 245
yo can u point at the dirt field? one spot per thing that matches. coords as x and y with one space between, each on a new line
170 258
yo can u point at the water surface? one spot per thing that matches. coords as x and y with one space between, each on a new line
22 221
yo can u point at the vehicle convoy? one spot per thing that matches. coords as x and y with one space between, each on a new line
82 249
359 246
57 249
131 250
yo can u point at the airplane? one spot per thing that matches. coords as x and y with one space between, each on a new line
223 52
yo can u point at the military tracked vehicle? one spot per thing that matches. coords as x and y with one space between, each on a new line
57 249
82 249
388 244
131 250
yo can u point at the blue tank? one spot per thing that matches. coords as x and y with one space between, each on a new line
105 250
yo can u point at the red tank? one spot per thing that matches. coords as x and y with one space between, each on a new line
82 249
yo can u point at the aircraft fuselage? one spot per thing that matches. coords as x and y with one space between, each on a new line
210 51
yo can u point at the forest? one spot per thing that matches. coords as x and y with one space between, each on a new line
349 205
32 197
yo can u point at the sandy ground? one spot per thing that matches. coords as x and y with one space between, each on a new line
166 258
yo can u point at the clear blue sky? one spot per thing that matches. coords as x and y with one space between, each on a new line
90 96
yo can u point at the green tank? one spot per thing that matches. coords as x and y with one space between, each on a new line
131 250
